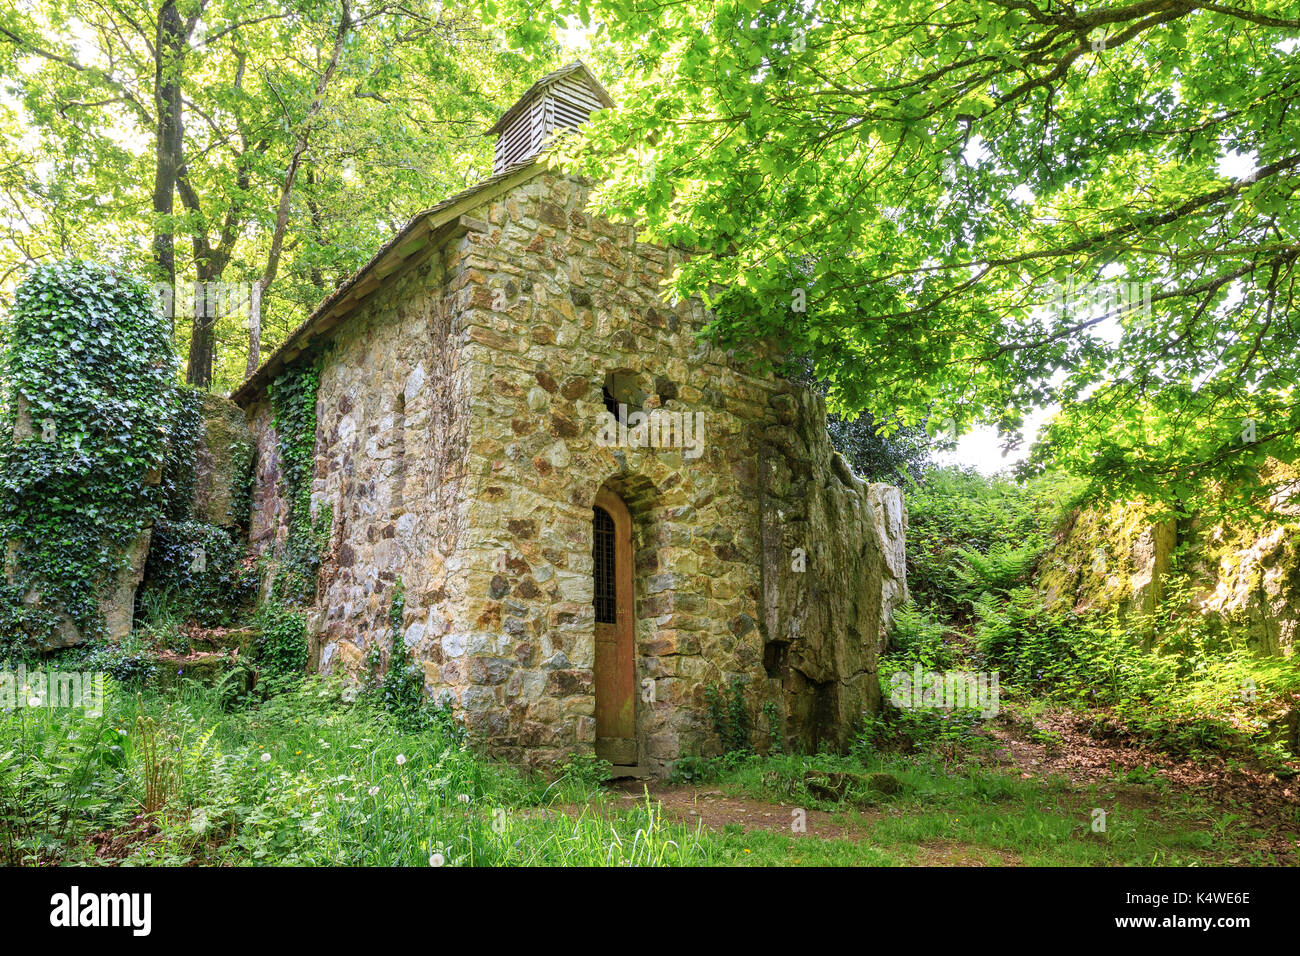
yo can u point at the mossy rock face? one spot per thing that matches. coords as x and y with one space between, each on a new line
1241 576
204 668
241 640
230 673
223 461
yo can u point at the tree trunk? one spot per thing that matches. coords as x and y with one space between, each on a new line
203 346
203 333
254 329
172 43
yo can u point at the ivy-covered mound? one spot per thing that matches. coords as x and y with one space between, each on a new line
88 371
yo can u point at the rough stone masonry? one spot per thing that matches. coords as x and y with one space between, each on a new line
467 373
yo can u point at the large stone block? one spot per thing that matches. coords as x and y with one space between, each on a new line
222 463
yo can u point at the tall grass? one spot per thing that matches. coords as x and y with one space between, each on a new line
303 779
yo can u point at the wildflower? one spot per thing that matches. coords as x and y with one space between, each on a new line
463 798
401 759
297 753
373 791
436 859
33 702
266 758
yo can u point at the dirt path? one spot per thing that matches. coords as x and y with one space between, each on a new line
688 804
691 805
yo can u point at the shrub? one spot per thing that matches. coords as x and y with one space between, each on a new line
916 637
281 650
961 529
730 716
199 570
587 771
62 775
131 661
396 685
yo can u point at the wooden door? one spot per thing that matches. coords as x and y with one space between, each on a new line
615 631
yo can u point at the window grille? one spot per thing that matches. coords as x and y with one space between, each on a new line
602 554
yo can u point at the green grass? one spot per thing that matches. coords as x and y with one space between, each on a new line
307 778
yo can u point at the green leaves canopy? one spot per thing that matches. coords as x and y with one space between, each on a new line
931 175
400 128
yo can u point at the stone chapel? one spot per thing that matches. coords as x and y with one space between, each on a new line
595 515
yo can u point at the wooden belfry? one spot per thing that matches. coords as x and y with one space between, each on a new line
560 100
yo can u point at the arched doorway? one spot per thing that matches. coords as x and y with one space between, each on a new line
615 664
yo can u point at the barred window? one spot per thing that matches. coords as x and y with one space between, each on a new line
602 554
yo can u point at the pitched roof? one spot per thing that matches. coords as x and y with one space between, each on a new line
412 238
577 66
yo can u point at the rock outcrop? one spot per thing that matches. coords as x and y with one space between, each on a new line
222 462
832 574
1242 576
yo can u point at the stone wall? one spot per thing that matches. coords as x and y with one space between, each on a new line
458 447
392 410
392 420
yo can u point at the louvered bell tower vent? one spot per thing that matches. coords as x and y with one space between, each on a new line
560 100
